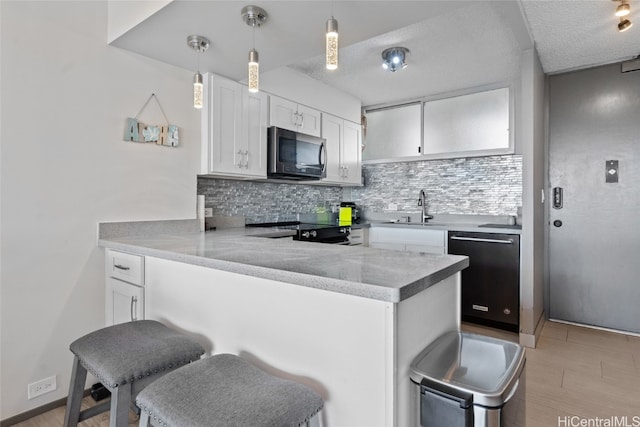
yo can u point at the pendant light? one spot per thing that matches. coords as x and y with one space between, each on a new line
199 44
332 42
254 16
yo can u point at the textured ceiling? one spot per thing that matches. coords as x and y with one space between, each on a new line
573 34
464 48
455 44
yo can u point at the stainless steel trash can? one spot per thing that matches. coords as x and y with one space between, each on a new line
467 380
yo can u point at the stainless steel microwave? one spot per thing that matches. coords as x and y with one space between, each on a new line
293 155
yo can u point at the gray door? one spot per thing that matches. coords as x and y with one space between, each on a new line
594 237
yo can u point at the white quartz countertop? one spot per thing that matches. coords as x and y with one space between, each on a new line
355 270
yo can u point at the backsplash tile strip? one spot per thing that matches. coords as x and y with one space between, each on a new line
265 201
477 185
473 186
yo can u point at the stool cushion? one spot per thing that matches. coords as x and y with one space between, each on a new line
123 353
225 390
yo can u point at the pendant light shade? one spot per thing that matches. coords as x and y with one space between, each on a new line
332 44
199 44
254 71
197 91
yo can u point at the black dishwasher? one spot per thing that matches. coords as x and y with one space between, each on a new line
491 283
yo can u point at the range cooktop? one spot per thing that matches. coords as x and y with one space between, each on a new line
322 233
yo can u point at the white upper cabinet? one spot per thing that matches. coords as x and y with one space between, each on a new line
352 153
234 130
343 150
290 115
465 125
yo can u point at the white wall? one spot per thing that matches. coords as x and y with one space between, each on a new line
65 97
124 15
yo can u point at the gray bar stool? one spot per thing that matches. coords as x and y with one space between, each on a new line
125 358
227 391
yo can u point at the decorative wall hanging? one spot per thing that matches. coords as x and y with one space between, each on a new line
137 131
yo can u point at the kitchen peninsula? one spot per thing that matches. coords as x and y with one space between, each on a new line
344 320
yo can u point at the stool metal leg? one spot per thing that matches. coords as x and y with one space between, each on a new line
120 398
144 419
314 421
76 390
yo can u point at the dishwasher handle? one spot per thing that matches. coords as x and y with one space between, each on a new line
482 240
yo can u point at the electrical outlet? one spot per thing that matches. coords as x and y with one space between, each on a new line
208 212
392 207
41 387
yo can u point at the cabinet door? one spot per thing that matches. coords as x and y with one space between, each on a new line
410 239
226 151
254 128
283 113
392 246
124 302
309 120
332 132
351 153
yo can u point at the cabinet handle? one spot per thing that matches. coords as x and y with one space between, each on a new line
134 300
295 118
475 239
239 164
302 121
246 160
121 267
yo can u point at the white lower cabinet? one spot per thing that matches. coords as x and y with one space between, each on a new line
124 302
124 287
409 239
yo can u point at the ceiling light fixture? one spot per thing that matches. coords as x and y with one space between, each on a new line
623 9
199 44
254 16
332 42
624 24
394 58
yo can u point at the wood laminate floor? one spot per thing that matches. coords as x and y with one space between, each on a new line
575 376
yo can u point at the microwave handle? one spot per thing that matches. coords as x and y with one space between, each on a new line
323 149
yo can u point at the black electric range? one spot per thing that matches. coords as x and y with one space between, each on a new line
321 233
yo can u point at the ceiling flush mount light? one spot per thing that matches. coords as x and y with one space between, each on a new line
624 25
199 44
393 59
623 9
332 42
254 16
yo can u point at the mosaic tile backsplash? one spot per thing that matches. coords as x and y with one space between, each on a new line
266 202
476 185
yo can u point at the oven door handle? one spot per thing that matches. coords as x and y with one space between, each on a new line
476 239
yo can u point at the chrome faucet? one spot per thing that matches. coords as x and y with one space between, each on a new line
422 201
